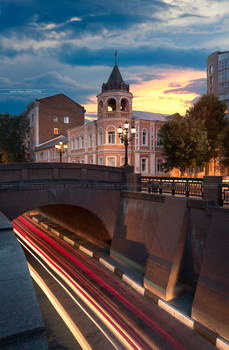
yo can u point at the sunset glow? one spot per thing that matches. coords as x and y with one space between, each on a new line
167 95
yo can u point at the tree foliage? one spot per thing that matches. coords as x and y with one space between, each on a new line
224 149
13 131
194 140
185 143
212 111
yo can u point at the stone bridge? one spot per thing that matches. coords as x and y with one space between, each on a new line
178 244
93 189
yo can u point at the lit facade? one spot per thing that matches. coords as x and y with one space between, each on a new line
98 142
218 75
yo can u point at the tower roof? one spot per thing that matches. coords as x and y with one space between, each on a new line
115 81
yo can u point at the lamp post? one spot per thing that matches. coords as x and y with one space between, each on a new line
123 133
61 148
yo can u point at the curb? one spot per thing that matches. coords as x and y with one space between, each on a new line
212 337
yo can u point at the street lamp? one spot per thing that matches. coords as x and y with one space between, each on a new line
123 133
61 148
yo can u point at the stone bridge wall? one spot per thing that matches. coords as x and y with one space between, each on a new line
179 245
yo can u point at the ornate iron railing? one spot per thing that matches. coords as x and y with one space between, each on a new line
173 185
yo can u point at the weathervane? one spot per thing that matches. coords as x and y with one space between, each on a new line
115 57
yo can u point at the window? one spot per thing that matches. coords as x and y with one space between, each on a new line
55 118
66 120
158 139
78 143
55 131
111 161
73 143
91 161
82 142
101 138
100 160
90 140
111 137
82 161
211 68
144 165
160 167
144 137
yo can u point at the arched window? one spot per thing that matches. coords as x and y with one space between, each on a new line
111 135
124 105
100 137
100 106
111 105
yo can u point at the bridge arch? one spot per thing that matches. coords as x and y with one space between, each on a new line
97 206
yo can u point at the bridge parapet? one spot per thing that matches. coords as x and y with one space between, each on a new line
35 171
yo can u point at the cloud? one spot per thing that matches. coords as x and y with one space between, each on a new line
198 86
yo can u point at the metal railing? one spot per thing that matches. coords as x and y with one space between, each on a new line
224 191
172 185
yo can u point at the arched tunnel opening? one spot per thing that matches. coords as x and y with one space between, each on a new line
81 222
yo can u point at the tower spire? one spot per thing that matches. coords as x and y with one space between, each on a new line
116 57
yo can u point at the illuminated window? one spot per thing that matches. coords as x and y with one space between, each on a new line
55 118
55 131
66 120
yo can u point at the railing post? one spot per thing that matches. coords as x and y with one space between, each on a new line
187 188
212 189
149 182
160 187
173 188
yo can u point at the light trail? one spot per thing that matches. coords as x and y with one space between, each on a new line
130 339
68 279
119 332
113 292
67 291
61 311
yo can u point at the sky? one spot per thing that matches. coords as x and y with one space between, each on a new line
50 47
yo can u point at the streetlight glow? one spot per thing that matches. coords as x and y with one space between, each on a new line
61 148
123 133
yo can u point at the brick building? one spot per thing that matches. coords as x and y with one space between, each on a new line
98 142
50 117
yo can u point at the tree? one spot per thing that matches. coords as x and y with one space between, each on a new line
224 149
13 131
185 143
212 111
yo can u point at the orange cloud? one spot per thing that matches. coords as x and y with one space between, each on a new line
150 96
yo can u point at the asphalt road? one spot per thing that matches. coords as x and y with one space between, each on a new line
101 311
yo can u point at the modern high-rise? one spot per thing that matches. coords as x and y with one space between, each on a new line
218 75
